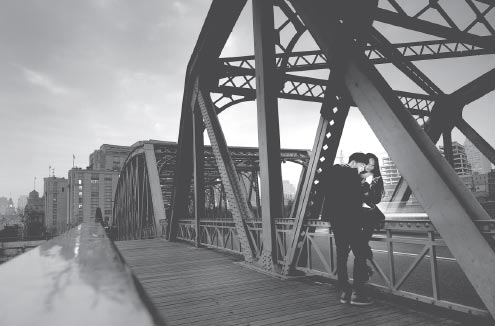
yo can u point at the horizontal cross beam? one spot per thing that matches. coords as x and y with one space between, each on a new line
423 26
412 51
237 81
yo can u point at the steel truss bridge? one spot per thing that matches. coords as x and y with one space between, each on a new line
210 195
143 199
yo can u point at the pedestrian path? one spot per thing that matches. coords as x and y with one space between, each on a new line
191 286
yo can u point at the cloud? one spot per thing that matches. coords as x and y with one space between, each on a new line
44 82
181 8
77 74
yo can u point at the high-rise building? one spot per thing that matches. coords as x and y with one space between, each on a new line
390 175
468 181
289 188
34 215
21 203
461 165
6 206
289 191
109 157
479 163
491 184
88 191
95 186
55 193
480 181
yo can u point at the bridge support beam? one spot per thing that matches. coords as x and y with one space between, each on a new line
476 139
450 206
267 84
447 145
155 189
183 170
199 161
327 139
228 174
218 25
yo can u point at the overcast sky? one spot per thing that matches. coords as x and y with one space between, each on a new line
78 74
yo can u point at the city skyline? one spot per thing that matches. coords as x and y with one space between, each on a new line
76 75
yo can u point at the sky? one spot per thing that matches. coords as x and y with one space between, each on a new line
78 74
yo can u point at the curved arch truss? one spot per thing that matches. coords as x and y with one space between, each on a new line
138 207
133 213
144 195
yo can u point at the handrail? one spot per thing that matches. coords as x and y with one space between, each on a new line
21 244
411 231
77 278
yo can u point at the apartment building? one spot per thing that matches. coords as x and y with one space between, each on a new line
89 190
55 195
109 157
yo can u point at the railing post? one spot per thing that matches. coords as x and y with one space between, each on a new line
390 247
433 266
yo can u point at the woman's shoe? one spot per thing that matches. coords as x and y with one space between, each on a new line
369 270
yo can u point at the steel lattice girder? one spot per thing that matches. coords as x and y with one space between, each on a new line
216 29
237 73
246 159
136 206
240 82
413 51
334 113
239 207
304 88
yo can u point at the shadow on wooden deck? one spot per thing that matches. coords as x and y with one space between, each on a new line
191 286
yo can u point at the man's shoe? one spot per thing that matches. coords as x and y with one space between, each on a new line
358 299
345 297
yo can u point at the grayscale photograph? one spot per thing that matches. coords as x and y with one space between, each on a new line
247 162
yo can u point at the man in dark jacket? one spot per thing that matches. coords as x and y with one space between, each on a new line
343 202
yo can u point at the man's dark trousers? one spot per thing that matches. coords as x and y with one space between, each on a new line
349 237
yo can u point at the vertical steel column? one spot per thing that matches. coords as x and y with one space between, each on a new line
325 146
183 169
154 184
334 113
447 146
199 160
267 86
218 25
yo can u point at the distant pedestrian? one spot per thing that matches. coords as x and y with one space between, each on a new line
343 206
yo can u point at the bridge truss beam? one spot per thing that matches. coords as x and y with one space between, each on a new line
432 180
138 202
407 124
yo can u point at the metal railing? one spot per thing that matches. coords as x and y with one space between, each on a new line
9 250
78 277
406 253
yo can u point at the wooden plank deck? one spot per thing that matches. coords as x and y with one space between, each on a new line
191 286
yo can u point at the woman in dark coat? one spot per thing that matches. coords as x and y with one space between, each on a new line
372 191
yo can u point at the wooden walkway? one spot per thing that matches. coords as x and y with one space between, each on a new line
191 286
